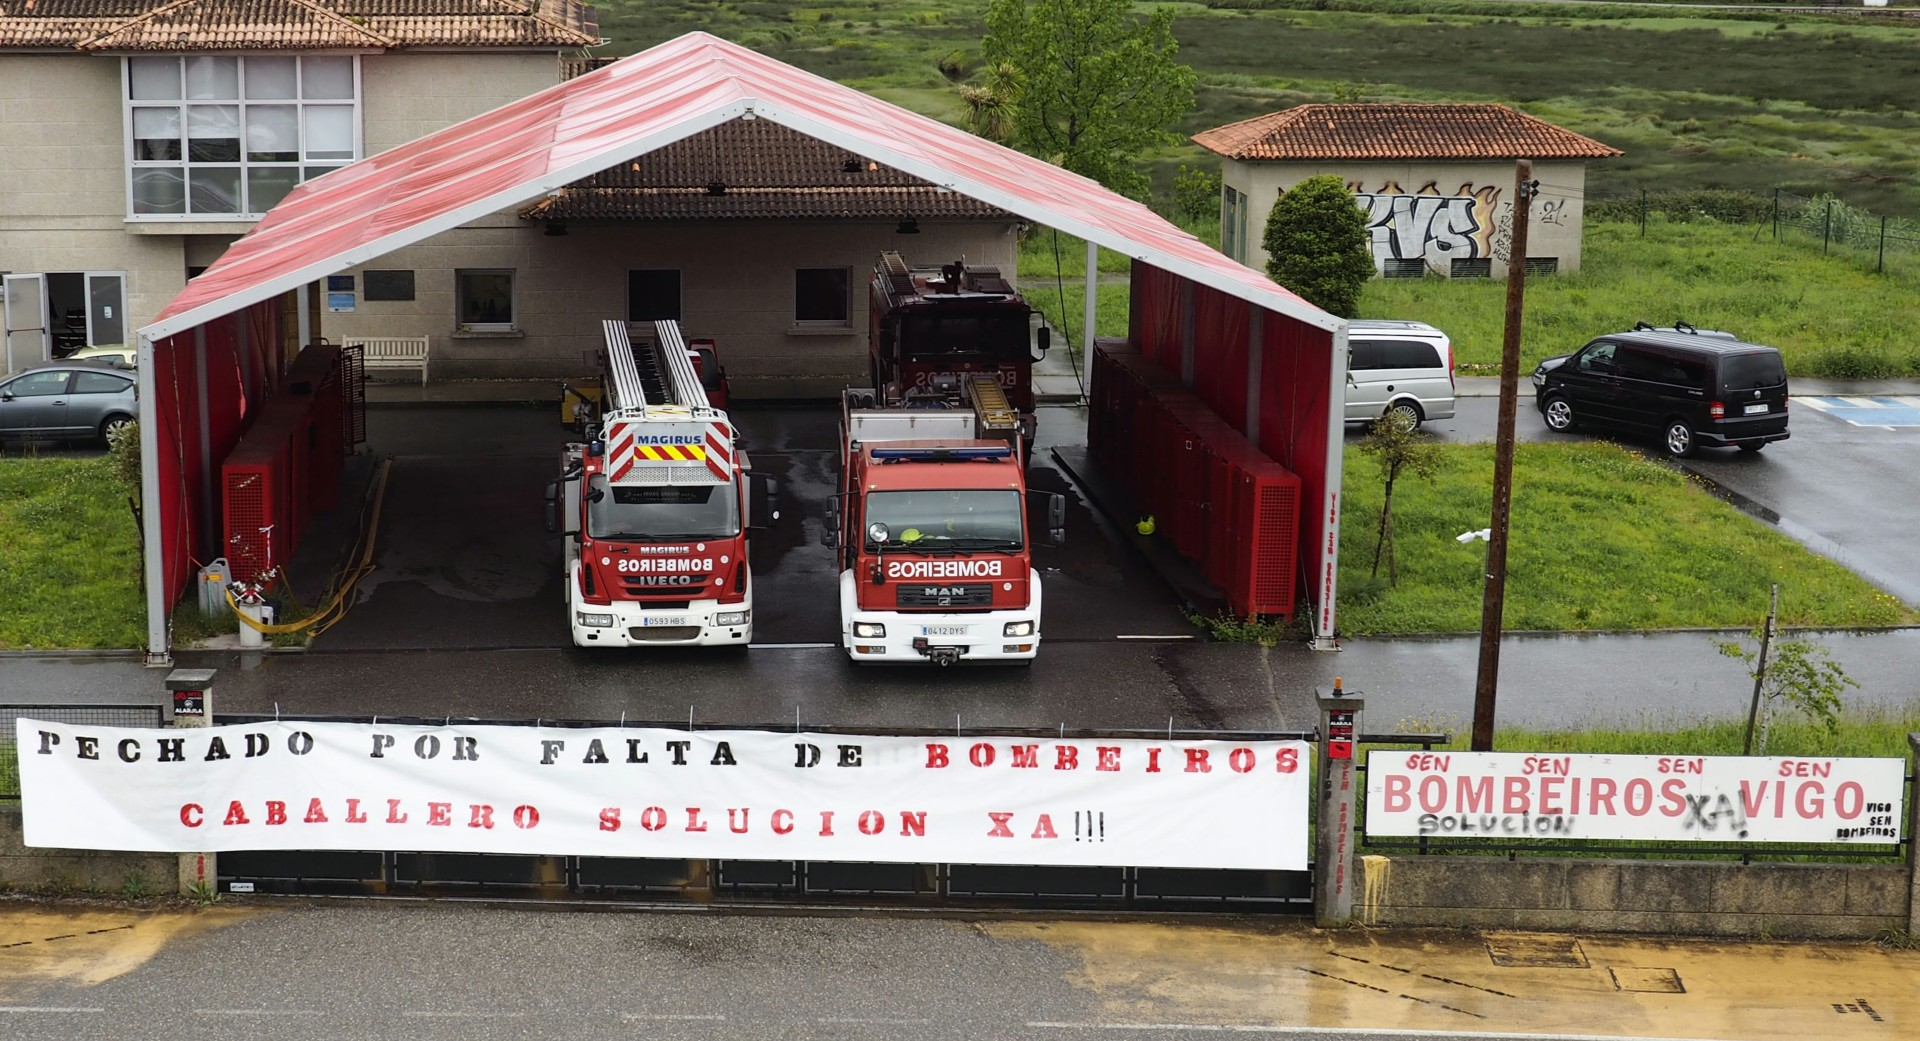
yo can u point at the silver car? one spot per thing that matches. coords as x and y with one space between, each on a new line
76 401
1403 369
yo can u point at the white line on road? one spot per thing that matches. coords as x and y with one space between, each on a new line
647 1015
788 646
882 1020
465 1015
256 1012
1182 636
45 1008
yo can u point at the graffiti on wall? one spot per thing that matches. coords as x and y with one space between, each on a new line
1428 226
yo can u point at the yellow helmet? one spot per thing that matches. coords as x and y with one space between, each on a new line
1146 525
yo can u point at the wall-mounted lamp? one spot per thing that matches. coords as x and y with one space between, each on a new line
716 187
907 226
850 164
556 228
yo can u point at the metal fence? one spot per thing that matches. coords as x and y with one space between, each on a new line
1875 242
78 715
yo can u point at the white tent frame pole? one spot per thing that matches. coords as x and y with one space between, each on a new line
154 562
1092 308
1324 618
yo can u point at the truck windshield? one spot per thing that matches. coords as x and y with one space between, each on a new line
709 511
931 338
947 519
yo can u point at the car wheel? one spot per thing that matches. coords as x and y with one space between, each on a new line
1406 414
112 425
1558 412
1753 446
1679 438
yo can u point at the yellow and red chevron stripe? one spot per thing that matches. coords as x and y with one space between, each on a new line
671 453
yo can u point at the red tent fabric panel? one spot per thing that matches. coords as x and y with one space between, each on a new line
1220 354
1154 300
1295 373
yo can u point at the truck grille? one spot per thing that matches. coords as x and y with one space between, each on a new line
664 633
922 594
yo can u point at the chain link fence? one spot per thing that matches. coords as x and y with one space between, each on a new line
77 715
1874 242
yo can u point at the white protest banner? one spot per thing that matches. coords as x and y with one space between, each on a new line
1658 798
635 792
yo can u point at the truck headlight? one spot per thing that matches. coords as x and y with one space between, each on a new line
869 630
1018 629
595 621
731 617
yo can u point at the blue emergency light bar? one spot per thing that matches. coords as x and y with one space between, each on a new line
945 454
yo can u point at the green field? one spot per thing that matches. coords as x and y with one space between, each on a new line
70 573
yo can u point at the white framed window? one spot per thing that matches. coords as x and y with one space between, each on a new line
484 299
1233 223
225 137
820 297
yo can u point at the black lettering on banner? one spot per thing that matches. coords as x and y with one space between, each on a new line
723 755
86 747
679 750
466 748
595 753
426 746
258 745
381 742
299 742
849 755
805 755
173 749
129 751
549 749
216 749
47 740
634 754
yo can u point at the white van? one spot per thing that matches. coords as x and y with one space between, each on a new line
1403 368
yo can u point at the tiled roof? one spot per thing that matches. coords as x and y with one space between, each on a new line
176 26
1399 131
768 171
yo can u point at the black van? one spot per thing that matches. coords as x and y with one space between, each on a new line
1688 387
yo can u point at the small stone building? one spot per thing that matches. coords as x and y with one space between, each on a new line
1435 180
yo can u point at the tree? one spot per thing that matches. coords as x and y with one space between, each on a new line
1400 448
1316 242
1798 672
1086 84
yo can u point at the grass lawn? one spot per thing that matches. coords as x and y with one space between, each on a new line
70 571
1602 539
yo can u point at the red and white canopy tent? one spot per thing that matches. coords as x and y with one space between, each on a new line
1269 363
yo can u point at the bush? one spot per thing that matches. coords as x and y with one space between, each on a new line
1855 363
123 447
1196 193
956 65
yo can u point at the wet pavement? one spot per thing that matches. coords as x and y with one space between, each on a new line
291 969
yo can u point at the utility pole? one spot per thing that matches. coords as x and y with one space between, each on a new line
1494 604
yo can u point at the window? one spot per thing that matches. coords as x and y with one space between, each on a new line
653 296
389 285
99 383
1408 354
1397 268
1363 355
39 385
820 295
1543 265
1233 224
1598 359
1469 268
485 299
220 136
1639 363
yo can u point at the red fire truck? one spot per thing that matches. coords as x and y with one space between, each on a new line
656 507
932 328
931 526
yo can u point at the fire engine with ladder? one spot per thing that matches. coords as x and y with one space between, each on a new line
656 507
934 329
930 524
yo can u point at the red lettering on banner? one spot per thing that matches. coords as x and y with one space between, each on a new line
738 827
782 822
526 818
1429 761
1696 765
1797 768
354 816
826 823
480 815
653 818
1673 792
872 822
1638 797
1513 795
192 814
610 818
1750 800
1433 794
236 814
1153 760
1550 794
1399 793
1197 761
936 757
1808 809
1600 796
1539 764
912 823
1849 800
394 816
439 814
1026 757
1000 829
315 813
1066 757
1044 828
276 812
1474 794
694 823
980 754
1241 760
1109 757
1287 760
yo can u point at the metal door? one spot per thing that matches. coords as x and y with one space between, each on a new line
26 322
106 308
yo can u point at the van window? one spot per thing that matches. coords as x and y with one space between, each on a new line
1408 354
1366 355
1747 371
1598 358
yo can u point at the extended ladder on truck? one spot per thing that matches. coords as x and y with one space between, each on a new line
659 426
656 372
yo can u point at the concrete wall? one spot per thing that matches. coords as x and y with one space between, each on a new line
411 95
736 287
105 871
1475 221
1700 898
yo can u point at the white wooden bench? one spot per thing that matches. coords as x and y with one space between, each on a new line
392 352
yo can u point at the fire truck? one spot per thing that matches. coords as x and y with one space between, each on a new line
656 507
930 522
933 328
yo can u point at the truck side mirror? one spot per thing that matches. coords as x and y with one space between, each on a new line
1044 341
1056 515
553 507
762 501
830 527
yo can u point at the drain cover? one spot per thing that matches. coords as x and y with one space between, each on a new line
1536 952
1646 980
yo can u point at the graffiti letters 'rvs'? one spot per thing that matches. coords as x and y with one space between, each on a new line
1427 226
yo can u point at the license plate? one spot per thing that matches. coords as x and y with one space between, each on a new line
1754 410
943 630
664 619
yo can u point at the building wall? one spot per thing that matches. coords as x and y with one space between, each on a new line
411 95
1470 216
736 288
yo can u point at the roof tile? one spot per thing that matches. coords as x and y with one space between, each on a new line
1399 131
177 26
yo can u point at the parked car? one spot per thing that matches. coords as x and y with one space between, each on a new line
1686 387
67 401
1397 368
119 355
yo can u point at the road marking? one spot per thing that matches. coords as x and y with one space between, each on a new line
256 1012
880 1020
1888 412
788 646
45 1008
665 1015
465 1015
1150 636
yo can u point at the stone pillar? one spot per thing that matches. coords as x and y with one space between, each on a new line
1913 841
192 706
1334 879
